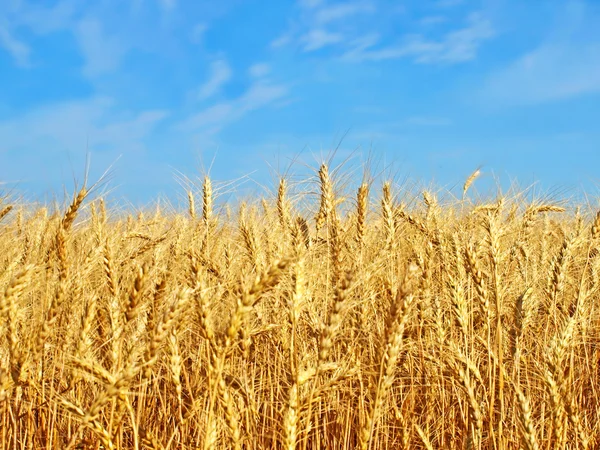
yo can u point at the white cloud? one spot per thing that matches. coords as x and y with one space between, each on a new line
198 32
342 11
216 117
462 45
17 49
260 95
554 71
259 70
36 18
457 46
318 38
209 117
103 52
314 29
281 41
43 20
220 73
70 125
565 65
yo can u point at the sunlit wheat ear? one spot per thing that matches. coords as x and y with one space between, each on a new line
528 433
474 269
392 345
163 326
463 376
9 310
470 181
334 319
175 366
556 384
532 212
295 306
290 422
423 437
283 211
250 296
595 228
575 420
304 231
362 199
431 202
103 214
245 302
135 294
461 312
5 385
201 296
191 205
149 440
71 212
60 294
87 323
207 201
231 415
326 212
418 224
387 214
556 282
523 312
4 211
250 240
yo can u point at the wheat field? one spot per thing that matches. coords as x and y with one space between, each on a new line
301 321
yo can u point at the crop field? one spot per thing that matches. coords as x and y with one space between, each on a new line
350 316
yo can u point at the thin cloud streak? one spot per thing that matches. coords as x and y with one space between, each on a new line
455 47
216 117
551 72
16 48
220 74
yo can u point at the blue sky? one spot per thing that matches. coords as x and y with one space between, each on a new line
432 89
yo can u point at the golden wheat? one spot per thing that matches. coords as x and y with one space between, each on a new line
303 324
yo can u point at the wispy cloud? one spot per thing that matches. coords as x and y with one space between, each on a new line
34 18
103 52
162 79
259 70
16 48
281 41
551 72
456 46
198 32
220 73
42 19
342 11
323 24
70 125
214 118
564 65
319 38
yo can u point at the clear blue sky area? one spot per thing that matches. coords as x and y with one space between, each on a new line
432 89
